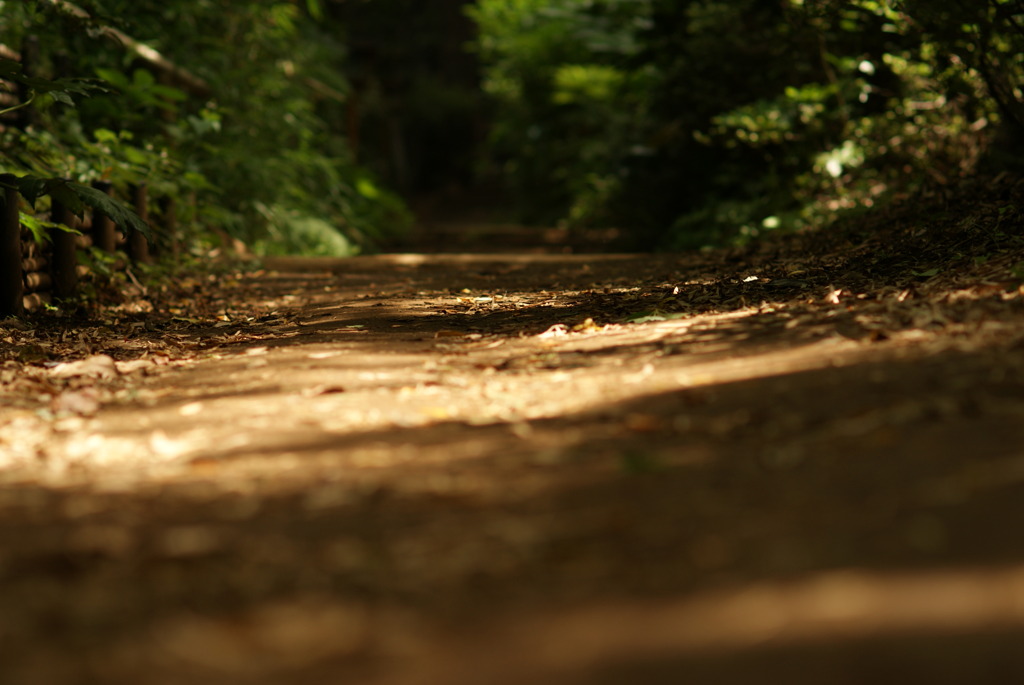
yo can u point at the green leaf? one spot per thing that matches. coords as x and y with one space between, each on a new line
31 188
119 213
9 68
142 78
79 86
105 135
114 78
37 227
62 97
169 93
61 191
76 197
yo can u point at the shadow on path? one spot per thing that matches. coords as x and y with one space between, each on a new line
433 491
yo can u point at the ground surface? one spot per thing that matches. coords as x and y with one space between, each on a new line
802 462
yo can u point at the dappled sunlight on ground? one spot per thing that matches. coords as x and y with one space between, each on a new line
459 470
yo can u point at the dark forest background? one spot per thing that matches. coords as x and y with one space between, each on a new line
319 127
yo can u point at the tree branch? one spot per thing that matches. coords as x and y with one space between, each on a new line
181 76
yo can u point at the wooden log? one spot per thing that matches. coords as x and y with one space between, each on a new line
138 246
65 257
11 287
35 301
38 280
30 264
9 92
179 76
169 210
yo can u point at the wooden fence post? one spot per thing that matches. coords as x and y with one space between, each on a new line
104 232
28 116
138 246
65 255
169 210
11 285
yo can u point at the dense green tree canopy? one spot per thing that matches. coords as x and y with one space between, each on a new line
689 120
243 106
680 121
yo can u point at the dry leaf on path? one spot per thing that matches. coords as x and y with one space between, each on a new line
83 402
98 366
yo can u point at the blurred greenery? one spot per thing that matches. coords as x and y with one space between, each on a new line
306 125
240 107
688 122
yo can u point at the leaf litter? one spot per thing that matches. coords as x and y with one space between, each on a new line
438 458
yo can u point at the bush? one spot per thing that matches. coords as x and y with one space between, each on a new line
239 107
691 122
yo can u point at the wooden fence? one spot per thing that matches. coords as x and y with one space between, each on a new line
33 274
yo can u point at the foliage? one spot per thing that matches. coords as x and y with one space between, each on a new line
689 121
60 90
75 197
684 121
236 107
567 99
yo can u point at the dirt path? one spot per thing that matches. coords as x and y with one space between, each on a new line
523 469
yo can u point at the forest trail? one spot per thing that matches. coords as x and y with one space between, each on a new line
539 468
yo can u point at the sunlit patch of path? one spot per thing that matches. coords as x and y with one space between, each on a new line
461 469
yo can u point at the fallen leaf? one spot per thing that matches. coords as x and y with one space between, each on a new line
82 402
555 331
98 366
587 326
318 390
191 409
133 365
